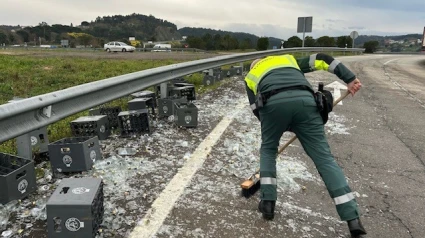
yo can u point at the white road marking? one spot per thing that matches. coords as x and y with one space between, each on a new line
155 216
337 86
389 61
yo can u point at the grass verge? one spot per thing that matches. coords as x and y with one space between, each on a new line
27 76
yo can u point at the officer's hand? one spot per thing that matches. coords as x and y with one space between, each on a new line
354 86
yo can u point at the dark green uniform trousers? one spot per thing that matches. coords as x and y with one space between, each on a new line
296 110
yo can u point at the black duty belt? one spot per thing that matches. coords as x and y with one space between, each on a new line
261 98
268 94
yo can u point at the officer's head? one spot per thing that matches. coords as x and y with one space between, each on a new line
254 62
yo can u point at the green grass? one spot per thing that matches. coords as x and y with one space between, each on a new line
27 76
24 76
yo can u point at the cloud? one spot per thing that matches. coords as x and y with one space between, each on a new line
356 28
332 20
277 18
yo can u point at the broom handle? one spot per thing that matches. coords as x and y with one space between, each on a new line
295 137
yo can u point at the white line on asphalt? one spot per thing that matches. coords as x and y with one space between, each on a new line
389 61
156 215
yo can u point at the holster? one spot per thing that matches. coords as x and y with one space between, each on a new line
324 101
260 101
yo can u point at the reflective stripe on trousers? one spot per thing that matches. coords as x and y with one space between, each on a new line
268 180
344 198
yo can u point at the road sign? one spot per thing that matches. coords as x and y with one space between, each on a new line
354 35
305 24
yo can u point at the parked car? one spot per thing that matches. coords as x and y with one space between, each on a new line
118 46
162 47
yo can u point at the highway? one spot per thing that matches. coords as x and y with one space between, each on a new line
185 182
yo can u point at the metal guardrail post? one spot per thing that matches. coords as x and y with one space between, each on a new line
36 139
164 91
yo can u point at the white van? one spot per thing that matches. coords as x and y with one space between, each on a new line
162 47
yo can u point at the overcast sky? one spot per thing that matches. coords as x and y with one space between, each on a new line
274 18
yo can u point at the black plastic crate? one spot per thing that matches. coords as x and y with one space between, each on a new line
17 178
166 106
110 112
213 71
246 68
74 154
229 72
219 76
208 80
185 114
178 80
91 126
135 122
141 103
187 92
170 86
238 69
76 208
146 94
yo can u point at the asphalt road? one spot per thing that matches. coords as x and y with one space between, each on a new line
377 137
185 182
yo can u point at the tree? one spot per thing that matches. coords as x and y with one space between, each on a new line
85 23
209 43
195 42
245 44
226 41
82 38
217 42
326 41
11 38
263 43
343 41
309 41
234 43
370 46
293 41
3 38
42 30
24 35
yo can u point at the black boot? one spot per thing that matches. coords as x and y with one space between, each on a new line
356 228
267 208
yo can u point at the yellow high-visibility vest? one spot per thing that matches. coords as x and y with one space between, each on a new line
264 66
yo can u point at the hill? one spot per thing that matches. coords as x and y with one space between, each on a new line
240 36
381 39
149 28
140 26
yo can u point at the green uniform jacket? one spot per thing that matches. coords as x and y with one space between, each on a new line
288 77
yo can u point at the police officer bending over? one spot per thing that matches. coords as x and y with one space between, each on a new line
282 99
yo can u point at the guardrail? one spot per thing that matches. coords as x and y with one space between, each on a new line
26 115
400 53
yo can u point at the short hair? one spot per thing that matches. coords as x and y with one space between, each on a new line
255 62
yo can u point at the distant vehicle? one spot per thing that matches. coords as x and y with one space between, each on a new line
118 46
162 47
